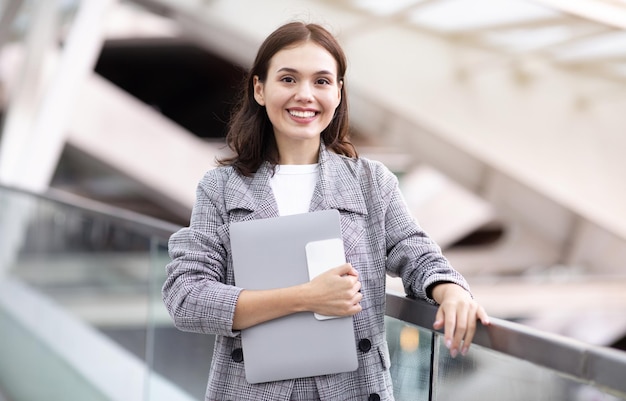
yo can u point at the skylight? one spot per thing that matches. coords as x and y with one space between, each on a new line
459 15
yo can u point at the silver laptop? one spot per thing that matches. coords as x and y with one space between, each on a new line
271 253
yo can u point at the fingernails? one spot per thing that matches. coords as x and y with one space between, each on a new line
454 352
448 344
464 351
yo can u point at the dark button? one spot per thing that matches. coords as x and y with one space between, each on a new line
365 345
373 397
237 355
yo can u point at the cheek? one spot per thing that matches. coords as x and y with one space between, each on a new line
274 111
334 104
337 104
335 98
273 108
275 99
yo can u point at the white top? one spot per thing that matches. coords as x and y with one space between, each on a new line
293 186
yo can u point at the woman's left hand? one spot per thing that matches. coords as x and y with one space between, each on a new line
458 313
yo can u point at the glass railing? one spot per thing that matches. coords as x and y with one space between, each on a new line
507 361
81 318
80 309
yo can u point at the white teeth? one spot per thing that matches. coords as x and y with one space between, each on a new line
302 114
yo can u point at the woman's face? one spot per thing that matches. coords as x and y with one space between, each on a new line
300 94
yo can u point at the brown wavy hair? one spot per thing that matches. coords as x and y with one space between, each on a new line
250 133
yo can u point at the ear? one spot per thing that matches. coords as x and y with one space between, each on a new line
258 90
339 88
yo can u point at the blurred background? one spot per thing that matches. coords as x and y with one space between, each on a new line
504 121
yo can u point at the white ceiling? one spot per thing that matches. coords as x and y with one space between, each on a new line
584 35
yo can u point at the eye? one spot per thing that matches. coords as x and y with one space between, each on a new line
322 81
288 79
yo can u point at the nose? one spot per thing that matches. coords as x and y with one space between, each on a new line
304 92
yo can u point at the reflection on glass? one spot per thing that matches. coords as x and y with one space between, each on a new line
409 351
487 375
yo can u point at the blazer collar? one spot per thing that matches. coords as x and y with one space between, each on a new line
253 194
338 188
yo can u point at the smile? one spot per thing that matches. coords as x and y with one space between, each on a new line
302 114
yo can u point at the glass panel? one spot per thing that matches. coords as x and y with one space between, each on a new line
410 351
73 303
484 374
34 372
180 360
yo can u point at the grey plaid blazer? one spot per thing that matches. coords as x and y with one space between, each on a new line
380 236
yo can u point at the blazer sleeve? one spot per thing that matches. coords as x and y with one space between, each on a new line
411 254
195 292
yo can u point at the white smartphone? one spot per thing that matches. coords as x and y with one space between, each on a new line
322 256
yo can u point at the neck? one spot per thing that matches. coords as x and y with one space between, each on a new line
305 152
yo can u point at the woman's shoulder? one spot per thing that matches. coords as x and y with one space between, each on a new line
219 173
218 177
365 166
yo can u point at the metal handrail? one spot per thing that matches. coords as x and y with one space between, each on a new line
124 217
604 367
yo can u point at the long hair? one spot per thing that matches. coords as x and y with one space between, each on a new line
250 133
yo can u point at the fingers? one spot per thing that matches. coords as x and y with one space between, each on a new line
439 319
459 321
461 327
337 291
470 329
354 294
345 269
454 329
482 315
348 301
356 303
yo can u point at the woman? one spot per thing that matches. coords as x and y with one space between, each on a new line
292 155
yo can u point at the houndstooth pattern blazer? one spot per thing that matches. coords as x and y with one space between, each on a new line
380 236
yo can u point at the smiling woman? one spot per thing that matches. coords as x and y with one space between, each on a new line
292 155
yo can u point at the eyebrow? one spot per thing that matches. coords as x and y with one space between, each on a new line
294 71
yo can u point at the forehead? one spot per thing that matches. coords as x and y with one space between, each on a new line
303 57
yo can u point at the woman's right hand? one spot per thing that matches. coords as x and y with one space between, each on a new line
335 292
332 293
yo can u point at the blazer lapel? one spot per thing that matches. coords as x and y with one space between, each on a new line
338 186
249 198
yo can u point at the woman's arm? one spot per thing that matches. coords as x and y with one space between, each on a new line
427 274
334 293
195 292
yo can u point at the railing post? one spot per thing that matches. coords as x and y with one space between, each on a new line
434 366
